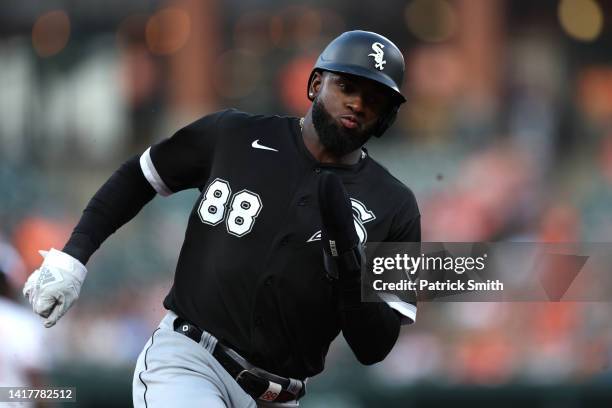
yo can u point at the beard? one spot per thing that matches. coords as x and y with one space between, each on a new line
335 138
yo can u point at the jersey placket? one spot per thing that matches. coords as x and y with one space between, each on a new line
268 314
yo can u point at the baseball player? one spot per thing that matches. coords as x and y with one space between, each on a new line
24 359
269 271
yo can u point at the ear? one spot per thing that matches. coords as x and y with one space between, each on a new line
316 80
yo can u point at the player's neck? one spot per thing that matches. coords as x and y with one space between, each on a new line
318 151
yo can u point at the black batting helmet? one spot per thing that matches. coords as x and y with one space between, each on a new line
368 55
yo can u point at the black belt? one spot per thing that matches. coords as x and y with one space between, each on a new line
258 383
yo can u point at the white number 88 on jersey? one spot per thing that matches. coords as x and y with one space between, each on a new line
244 208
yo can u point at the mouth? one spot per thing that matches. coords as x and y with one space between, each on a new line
350 121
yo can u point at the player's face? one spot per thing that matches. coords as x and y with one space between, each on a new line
346 110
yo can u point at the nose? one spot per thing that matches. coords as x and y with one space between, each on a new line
355 102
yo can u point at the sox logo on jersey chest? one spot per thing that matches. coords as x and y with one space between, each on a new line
361 216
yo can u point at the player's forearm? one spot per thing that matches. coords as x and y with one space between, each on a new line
370 329
114 204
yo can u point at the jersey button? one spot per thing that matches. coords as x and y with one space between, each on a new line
269 280
303 201
318 170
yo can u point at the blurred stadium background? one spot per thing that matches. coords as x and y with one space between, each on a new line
507 135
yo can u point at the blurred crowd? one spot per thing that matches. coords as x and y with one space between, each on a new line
506 136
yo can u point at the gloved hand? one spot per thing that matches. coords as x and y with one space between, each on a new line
53 288
343 255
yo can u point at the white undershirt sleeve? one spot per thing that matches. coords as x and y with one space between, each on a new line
151 174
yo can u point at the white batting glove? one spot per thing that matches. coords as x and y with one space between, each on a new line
53 288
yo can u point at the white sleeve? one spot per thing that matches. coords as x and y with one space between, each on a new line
407 310
151 174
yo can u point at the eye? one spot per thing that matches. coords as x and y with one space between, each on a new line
346 86
372 99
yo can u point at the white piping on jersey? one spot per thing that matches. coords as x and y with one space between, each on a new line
407 310
256 145
151 174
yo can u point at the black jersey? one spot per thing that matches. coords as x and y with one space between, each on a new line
250 270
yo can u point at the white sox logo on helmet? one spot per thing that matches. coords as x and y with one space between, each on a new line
378 55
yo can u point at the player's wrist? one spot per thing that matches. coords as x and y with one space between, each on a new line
66 263
80 247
